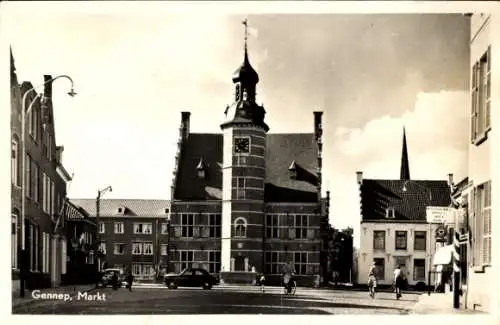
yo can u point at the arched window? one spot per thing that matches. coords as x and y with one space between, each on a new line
240 227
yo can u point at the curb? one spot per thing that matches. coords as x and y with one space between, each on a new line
34 301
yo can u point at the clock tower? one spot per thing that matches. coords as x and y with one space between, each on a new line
243 174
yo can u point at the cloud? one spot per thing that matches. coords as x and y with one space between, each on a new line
436 131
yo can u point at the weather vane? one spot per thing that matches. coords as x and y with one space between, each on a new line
245 22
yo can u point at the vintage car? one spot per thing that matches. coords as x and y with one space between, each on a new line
107 275
191 277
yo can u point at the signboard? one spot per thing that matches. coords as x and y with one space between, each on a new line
440 214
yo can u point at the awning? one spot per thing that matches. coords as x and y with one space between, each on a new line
443 255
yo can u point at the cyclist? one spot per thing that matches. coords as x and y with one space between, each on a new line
372 279
288 271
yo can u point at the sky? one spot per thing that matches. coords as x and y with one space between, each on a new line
135 72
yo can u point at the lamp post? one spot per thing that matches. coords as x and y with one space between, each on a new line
100 193
24 113
430 231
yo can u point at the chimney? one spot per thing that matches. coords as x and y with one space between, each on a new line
185 124
450 179
47 91
359 177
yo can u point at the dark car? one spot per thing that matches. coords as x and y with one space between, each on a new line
191 277
107 276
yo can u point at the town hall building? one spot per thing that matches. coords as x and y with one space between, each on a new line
247 199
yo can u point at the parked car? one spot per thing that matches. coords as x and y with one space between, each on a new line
191 277
107 275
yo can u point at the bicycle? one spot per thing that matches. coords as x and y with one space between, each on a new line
290 285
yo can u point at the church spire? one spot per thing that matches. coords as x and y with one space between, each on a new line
405 166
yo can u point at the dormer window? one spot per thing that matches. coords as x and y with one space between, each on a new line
120 210
201 169
389 213
292 170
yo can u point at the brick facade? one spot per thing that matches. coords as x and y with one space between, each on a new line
45 191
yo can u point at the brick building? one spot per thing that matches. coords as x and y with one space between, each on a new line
46 180
132 233
247 198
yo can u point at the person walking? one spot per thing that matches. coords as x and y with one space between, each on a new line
130 280
398 281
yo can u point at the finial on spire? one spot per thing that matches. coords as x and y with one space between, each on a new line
245 22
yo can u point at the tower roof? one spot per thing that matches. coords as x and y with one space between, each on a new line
405 165
246 73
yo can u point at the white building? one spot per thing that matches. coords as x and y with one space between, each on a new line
394 228
483 108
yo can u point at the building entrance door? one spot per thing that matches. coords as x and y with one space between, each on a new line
239 263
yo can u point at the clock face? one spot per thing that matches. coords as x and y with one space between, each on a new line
241 145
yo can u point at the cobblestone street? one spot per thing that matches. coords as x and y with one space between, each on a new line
159 300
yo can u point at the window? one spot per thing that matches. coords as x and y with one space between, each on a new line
45 252
118 227
300 262
380 263
186 259
147 249
119 249
272 226
14 163
143 228
164 249
164 228
33 122
240 188
482 225
36 186
481 97
143 270
301 225
140 248
214 262
420 242
102 247
102 227
240 227
63 256
34 244
52 198
14 242
187 224
214 222
379 239
272 265
137 249
90 259
401 240
389 213
419 270
29 188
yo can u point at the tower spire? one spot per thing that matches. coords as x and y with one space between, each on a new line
405 166
245 23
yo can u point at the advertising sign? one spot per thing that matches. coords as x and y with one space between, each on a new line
440 215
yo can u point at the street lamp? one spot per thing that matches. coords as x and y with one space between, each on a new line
405 189
24 113
100 193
